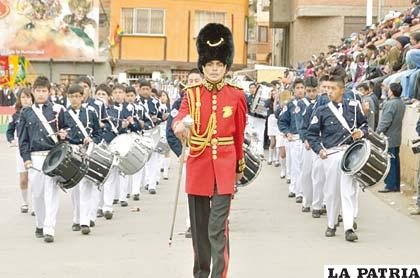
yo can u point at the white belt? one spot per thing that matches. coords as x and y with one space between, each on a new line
40 153
339 148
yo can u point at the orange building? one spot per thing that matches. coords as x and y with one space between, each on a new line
159 35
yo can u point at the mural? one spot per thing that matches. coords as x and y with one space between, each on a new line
47 29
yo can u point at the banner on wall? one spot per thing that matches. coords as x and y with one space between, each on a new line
48 29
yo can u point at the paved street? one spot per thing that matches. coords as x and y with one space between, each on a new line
270 237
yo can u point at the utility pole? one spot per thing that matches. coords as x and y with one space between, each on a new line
380 4
369 9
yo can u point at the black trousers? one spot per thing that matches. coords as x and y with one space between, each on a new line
210 234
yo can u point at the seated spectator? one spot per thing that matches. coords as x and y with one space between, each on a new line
409 78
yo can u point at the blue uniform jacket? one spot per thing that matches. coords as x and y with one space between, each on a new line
89 119
99 107
115 116
326 131
306 117
31 132
12 127
288 121
131 110
173 141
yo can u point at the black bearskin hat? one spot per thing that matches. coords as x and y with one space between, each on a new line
215 42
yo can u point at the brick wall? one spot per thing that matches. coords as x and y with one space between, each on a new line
312 35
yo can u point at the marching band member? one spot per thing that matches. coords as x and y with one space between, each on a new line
151 105
193 78
24 99
125 123
308 156
329 134
288 125
135 116
102 95
255 121
164 107
114 125
272 129
84 129
41 126
281 141
216 159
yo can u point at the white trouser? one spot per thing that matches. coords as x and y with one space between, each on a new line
110 185
45 196
95 198
81 196
137 182
305 177
318 182
295 167
152 170
288 160
124 185
340 191
258 124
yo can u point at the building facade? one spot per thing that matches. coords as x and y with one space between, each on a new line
259 33
306 27
65 69
160 35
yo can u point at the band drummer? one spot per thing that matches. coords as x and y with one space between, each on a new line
41 126
84 130
333 127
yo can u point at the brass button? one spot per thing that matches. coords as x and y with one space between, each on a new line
214 141
214 152
214 157
214 131
214 147
214 107
214 96
214 101
198 104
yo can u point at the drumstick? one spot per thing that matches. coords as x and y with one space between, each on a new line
188 122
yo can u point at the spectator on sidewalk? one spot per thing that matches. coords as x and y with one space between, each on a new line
390 124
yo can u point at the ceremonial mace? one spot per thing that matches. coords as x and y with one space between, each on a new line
188 123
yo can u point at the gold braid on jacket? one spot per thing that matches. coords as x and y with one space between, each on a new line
194 102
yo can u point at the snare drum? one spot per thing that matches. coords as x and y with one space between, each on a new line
132 152
366 162
100 161
65 164
253 164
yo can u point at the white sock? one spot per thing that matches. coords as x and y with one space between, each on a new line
276 154
166 162
24 196
270 155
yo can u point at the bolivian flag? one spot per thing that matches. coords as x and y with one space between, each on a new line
115 38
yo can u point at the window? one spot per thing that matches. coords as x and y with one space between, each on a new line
262 34
143 21
202 18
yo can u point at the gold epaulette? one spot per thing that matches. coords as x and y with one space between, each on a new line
230 83
192 86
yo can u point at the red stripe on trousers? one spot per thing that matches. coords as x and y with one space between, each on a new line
224 275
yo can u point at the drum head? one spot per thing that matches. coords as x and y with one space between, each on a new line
54 158
354 157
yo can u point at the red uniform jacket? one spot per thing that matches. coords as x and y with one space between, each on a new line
216 166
